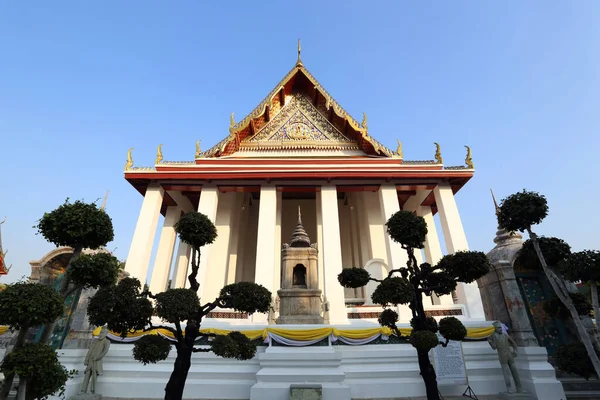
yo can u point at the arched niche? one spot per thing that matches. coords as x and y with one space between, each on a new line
299 276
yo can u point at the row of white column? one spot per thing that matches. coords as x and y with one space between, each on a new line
268 244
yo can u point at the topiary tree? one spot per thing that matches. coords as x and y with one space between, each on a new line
25 305
519 212
584 266
81 226
124 308
407 285
555 252
39 371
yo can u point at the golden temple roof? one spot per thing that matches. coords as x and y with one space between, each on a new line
299 79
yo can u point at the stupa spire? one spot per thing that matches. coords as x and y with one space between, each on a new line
299 237
503 237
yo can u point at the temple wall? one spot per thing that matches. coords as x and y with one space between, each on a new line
366 372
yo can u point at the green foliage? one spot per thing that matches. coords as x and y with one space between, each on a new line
583 265
176 305
151 349
353 277
233 345
521 210
430 324
408 229
121 307
25 305
423 340
465 266
452 329
394 290
574 359
196 229
441 282
246 297
556 308
38 364
555 251
76 225
388 317
94 270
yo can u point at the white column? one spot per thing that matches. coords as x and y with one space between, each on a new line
454 236
265 242
332 255
209 201
433 250
320 261
277 239
164 255
388 200
396 255
216 269
181 266
145 230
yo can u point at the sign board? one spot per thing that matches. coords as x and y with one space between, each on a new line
449 363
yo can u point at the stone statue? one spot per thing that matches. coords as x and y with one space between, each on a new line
507 351
93 360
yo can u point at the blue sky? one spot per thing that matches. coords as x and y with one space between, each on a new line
81 82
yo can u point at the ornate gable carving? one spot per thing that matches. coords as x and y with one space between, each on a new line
299 125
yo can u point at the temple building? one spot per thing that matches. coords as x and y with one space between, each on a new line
298 147
298 191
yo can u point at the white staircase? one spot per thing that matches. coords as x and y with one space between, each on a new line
283 367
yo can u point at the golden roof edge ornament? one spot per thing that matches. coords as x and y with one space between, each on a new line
399 149
159 155
231 121
469 159
363 124
129 162
198 149
438 154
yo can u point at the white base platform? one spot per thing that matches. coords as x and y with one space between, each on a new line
345 372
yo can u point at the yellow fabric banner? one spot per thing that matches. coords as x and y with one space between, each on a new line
306 334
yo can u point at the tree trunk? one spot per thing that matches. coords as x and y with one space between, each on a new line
176 384
9 379
563 294
22 392
428 374
594 290
64 287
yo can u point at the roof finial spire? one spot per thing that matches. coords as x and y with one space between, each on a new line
104 201
299 62
495 203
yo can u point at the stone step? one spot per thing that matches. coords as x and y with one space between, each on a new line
591 394
579 384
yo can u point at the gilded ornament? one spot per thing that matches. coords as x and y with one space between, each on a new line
159 155
469 159
129 162
198 150
231 122
399 149
438 154
364 122
299 62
